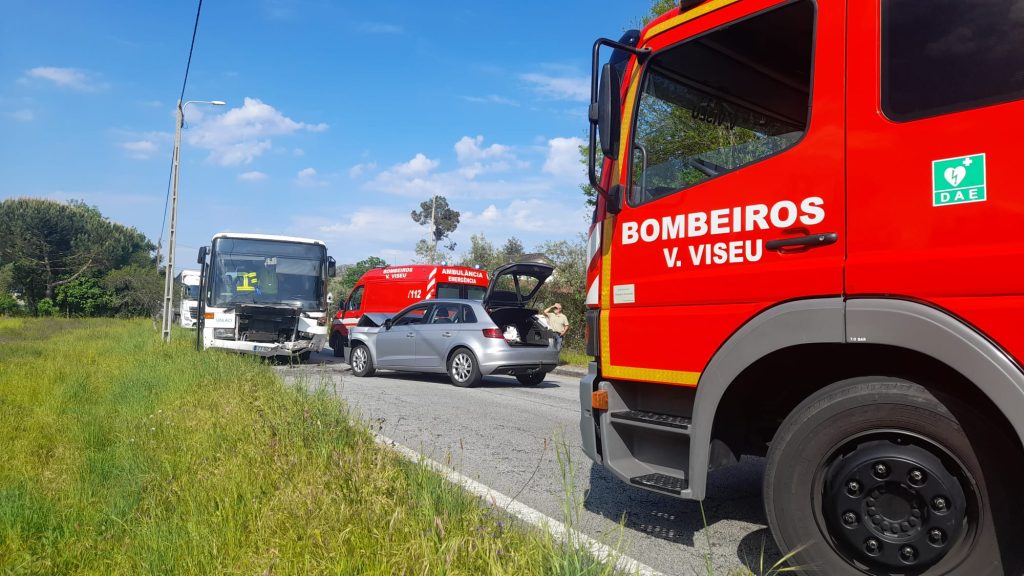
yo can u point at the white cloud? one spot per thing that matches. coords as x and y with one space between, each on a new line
23 115
307 178
360 169
252 176
419 178
140 149
66 78
563 159
370 224
491 99
474 159
420 165
566 86
298 152
532 219
469 150
242 134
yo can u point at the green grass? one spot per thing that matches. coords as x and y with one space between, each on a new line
573 357
121 455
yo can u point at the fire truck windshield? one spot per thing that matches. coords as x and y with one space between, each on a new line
721 101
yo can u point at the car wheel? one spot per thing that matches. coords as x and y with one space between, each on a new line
362 364
531 379
877 476
463 369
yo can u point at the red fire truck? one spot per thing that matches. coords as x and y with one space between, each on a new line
391 288
804 248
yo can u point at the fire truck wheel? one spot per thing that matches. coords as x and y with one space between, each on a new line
877 476
463 369
336 347
362 364
304 356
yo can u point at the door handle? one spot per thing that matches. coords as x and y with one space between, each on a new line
446 334
410 335
800 243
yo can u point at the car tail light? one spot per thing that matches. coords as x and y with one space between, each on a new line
337 315
493 333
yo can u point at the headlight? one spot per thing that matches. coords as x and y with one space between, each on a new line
305 336
224 333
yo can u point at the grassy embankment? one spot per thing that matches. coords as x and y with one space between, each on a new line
124 456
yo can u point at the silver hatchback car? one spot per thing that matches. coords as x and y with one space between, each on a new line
468 339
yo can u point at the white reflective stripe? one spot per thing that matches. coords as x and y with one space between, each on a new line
432 273
592 292
430 295
350 321
431 283
593 242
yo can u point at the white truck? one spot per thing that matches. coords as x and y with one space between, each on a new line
187 283
264 295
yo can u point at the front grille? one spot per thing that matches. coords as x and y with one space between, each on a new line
193 312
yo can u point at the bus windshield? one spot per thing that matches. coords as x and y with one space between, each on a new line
250 271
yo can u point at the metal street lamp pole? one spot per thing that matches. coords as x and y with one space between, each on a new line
169 270
433 231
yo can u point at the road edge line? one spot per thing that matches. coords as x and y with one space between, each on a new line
559 530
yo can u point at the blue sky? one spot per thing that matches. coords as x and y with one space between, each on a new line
341 117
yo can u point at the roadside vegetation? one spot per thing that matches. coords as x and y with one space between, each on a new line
126 456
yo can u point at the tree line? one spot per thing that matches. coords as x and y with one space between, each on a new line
68 259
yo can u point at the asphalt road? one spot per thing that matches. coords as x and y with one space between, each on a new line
503 434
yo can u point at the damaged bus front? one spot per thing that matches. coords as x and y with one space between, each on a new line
264 295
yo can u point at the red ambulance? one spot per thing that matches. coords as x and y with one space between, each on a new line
806 248
390 289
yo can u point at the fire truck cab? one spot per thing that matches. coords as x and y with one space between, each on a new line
805 247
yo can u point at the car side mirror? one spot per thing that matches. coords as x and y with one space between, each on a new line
332 267
388 324
202 255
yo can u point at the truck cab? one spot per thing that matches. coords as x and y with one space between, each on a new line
802 249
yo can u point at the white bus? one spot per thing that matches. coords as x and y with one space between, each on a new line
265 295
187 282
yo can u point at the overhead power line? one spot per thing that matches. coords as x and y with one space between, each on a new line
170 171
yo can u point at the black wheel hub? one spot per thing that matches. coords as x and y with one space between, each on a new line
892 504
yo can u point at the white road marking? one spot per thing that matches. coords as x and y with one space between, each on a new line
557 529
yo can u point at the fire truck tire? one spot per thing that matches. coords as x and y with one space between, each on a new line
336 347
304 356
463 368
361 362
877 476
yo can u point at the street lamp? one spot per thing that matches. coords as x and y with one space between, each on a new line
169 270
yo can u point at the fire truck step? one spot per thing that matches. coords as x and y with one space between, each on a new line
653 418
661 483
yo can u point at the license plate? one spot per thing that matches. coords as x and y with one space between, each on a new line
262 348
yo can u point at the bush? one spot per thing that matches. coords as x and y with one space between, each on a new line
9 305
46 307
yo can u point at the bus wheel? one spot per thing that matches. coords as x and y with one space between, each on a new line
876 476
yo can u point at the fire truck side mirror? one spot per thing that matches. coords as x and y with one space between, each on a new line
332 267
202 255
608 121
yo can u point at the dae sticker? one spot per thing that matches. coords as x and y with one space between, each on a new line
958 180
